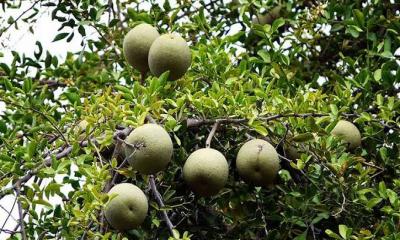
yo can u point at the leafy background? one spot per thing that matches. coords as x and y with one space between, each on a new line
288 82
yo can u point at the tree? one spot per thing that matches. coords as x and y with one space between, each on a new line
288 82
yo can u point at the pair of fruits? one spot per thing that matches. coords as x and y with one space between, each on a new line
146 50
206 170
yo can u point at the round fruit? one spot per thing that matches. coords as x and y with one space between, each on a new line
128 208
150 148
348 132
206 171
137 44
258 162
170 53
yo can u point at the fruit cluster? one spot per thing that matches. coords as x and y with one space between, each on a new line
146 50
149 149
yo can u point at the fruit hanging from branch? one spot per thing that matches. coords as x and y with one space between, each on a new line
127 208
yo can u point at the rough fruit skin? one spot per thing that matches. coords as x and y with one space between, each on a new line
257 162
206 171
137 43
170 52
348 132
128 209
154 148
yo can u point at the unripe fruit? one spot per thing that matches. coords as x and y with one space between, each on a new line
348 132
206 171
151 148
258 162
137 44
170 52
128 209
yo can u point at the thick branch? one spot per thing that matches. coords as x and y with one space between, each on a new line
160 203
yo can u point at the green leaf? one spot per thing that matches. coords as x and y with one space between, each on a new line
344 231
359 16
60 36
3 126
378 74
264 55
373 202
303 137
277 24
260 129
330 233
27 87
32 148
6 158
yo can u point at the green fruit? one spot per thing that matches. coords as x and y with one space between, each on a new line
170 52
128 209
137 44
258 162
152 151
206 171
348 132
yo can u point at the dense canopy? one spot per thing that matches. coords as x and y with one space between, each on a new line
288 82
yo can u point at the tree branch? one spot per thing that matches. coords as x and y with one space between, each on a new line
19 17
9 213
21 215
211 135
47 161
160 203
195 122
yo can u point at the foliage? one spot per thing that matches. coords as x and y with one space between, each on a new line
262 81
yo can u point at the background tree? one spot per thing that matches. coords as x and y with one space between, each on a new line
288 82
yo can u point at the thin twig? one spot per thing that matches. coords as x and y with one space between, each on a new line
8 231
284 136
211 135
9 213
44 115
47 161
19 17
342 205
260 208
160 203
21 215
87 230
